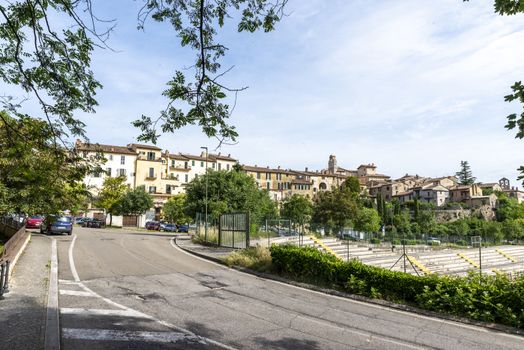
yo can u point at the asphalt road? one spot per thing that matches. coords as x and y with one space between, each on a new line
137 291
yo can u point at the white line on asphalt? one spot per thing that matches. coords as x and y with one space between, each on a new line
71 261
52 327
136 336
142 315
76 293
67 282
102 312
380 307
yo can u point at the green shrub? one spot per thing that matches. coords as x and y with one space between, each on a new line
486 298
374 241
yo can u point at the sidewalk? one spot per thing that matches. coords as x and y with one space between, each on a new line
215 253
23 311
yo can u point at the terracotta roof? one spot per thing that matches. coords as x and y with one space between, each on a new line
138 145
96 147
459 187
267 170
367 166
222 157
402 194
177 157
193 157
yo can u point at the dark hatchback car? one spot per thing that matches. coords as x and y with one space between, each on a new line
169 228
57 224
153 225
95 223
183 228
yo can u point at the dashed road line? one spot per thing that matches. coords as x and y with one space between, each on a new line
76 293
102 312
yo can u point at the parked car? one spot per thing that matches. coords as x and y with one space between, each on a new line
153 225
84 222
34 221
56 224
183 228
79 220
433 241
95 223
169 228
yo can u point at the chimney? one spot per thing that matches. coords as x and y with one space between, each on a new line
278 167
306 168
229 154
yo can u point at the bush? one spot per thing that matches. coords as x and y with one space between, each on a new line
487 298
374 241
256 258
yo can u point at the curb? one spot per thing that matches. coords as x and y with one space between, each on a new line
17 256
384 303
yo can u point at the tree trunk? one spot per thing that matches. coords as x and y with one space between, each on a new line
110 219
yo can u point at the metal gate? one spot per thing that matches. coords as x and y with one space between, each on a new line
233 230
130 220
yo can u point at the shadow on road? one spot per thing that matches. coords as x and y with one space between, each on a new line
287 343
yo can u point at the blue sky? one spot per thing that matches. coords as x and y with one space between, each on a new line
412 86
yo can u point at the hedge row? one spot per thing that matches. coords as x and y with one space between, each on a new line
487 298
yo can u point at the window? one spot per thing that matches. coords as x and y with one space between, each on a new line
268 176
108 172
152 189
227 167
258 176
110 157
267 185
150 155
201 164
192 163
122 160
186 178
196 176
186 165
121 172
151 172
168 189
173 163
96 174
219 166
214 165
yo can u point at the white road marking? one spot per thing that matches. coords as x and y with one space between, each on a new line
71 261
76 293
136 336
102 312
67 282
135 312
380 307
52 327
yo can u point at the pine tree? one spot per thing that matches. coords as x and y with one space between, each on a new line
465 175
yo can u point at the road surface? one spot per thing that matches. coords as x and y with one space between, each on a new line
125 290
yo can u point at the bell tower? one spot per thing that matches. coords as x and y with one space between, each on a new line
332 164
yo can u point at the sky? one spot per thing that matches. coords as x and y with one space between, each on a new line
412 86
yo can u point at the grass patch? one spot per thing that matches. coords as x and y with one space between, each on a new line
256 258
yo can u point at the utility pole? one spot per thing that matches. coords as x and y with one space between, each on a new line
205 227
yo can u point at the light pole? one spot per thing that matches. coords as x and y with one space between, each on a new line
205 227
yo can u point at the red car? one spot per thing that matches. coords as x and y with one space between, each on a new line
34 222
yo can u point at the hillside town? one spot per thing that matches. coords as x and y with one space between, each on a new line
164 174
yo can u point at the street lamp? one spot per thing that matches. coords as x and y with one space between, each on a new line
205 227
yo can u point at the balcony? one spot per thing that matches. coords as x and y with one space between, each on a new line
169 177
179 168
150 178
